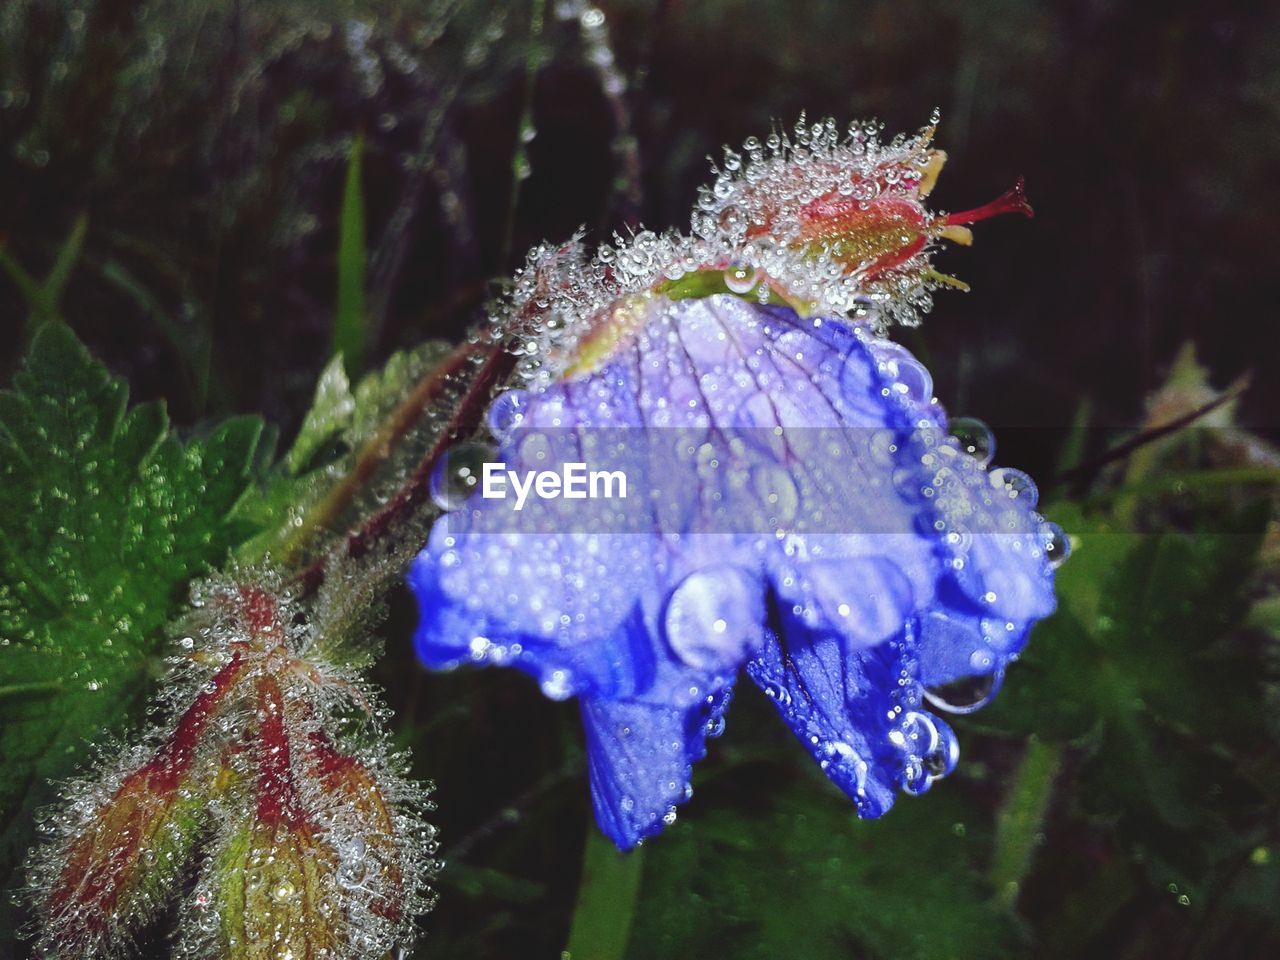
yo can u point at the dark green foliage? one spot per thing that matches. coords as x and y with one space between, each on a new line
288 505
781 867
1149 679
1139 655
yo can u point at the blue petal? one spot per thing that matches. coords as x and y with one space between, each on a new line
858 712
791 471
640 757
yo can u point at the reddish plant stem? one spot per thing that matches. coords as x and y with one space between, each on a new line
172 761
1087 471
379 448
277 800
414 492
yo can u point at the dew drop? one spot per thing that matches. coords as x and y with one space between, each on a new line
1016 484
740 279
1057 545
714 616
965 694
507 412
458 474
975 438
914 380
557 685
777 492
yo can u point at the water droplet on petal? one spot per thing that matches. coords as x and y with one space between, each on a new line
715 616
975 438
777 492
506 413
1057 545
1016 485
458 474
557 685
942 759
912 379
965 694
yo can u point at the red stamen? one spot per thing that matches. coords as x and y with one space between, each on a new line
1013 200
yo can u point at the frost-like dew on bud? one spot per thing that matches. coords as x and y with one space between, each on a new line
825 223
312 842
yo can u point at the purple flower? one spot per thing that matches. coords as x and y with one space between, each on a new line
794 507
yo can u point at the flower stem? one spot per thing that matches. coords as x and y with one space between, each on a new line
414 491
1087 471
376 451
606 904
1021 817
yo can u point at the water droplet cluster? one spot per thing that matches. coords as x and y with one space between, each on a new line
830 221
831 224
273 769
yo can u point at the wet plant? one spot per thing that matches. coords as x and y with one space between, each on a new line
231 668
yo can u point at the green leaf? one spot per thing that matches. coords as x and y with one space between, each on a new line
104 518
781 867
1021 818
330 416
337 429
56 282
43 298
1141 670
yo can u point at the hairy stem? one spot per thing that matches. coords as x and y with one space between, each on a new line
376 451
413 493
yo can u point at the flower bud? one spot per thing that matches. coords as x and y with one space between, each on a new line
372 848
313 861
874 220
115 862
269 895
831 223
265 892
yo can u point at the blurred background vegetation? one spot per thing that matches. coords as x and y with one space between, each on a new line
215 195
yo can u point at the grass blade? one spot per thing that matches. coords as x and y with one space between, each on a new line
350 322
